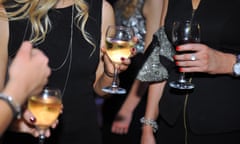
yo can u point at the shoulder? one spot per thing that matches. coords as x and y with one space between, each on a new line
107 7
107 12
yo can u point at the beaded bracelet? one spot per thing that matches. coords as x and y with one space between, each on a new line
16 110
150 122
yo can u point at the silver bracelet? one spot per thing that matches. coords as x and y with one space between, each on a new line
150 122
16 110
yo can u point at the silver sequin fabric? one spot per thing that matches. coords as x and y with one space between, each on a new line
152 70
136 21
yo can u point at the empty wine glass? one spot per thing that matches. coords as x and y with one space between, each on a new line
46 108
118 44
183 33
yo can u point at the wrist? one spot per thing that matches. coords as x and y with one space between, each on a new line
18 92
149 123
236 66
10 101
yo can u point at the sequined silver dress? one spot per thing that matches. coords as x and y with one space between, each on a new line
136 21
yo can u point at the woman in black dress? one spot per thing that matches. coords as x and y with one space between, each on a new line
69 33
211 112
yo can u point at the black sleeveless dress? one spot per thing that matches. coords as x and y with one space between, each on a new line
73 71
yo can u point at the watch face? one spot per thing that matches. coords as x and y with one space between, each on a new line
236 68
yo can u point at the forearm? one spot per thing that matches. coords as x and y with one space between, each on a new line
7 114
152 108
135 94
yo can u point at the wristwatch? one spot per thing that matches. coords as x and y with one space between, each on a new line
236 66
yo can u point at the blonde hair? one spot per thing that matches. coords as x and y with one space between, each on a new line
37 13
128 6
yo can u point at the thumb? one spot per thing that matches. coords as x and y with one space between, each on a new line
25 50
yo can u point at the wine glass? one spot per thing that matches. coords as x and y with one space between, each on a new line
118 44
182 33
46 108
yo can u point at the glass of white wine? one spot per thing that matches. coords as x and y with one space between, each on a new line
119 42
46 108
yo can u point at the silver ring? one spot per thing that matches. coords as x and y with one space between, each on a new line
193 57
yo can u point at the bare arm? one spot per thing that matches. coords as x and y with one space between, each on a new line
4 29
107 19
152 12
28 74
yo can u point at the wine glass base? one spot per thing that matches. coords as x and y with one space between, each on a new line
181 85
114 90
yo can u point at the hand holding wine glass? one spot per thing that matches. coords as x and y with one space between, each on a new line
183 33
119 42
46 108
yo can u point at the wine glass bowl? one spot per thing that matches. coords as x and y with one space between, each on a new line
46 108
119 42
183 33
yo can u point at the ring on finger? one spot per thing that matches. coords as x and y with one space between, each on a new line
193 57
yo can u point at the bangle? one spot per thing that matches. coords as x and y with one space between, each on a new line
16 110
107 73
150 122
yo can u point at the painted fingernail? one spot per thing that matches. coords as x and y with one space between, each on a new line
32 119
177 63
133 49
177 48
174 57
181 69
122 58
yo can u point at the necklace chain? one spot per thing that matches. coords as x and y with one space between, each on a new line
69 52
68 55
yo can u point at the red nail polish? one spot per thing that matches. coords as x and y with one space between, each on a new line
174 57
32 119
181 69
133 49
176 63
177 48
122 58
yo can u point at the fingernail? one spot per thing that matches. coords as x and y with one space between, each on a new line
133 49
32 119
122 58
177 48
177 63
174 57
181 69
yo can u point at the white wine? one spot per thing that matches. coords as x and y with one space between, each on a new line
45 109
118 48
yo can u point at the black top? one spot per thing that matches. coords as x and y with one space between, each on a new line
214 105
78 123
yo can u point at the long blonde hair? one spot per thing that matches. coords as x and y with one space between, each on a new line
37 13
128 6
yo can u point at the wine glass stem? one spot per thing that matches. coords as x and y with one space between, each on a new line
115 77
41 139
182 78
